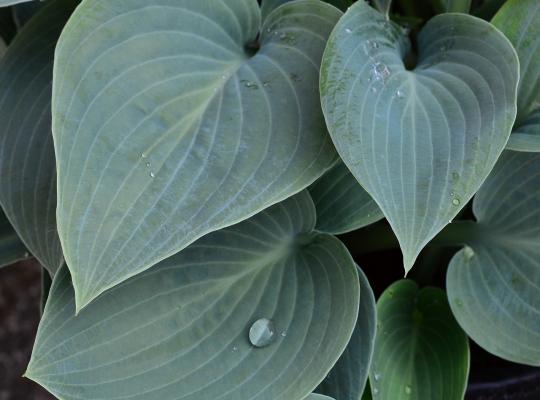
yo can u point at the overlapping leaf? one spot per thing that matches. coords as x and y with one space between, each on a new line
11 247
27 162
180 330
5 3
341 202
420 350
519 20
348 378
420 141
494 283
170 129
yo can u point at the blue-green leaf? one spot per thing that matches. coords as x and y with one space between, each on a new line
27 162
420 141
420 350
341 202
168 130
526 136
494 283
348 378
187 327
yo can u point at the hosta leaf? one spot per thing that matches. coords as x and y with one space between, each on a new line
342 204
420 351
348 378
184 329
168 130
420 141
448 6
11 247
526 136
27 163
494 283
519 20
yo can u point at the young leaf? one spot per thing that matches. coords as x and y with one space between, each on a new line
494 283
348 378
419 141
519 20
342 204
27 162
420 351
259 310
170 129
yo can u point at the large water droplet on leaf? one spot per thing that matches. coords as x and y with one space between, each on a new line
262 333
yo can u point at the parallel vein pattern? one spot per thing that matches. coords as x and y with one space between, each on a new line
420 351
341 202
168 130
27 162
180 330
419 141
494 285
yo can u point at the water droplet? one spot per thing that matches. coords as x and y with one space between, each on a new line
266 84
283 334
26 254
251 85
377 376
408 389
143 155
374 89
468 253
380 72
148 164
456 202
235 348
375 391
452 194
152 175
400 94
262 333
348 30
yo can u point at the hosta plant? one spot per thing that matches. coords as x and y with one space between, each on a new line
188 171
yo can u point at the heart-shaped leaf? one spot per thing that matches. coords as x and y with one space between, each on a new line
519 20
420 350
494 283
27 163
259 310
171 129
420 141
348 378
342 204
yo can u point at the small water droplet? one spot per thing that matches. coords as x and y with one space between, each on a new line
468 253
251 85
408 389
452 194
283 334
143 155
152 175
148 164
456 202
375 391
348 30
374 89
377 376
235 348
266 84
26 254
400 94
380 72
262 333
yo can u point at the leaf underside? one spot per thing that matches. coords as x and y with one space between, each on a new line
168 130
420 351
27 161
180 330
419 141
494 284
342 204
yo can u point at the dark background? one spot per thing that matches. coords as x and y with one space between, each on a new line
20 293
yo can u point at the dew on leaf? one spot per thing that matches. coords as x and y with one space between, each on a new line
408 389
456 202
468 253
400 94
152 175
380 72
377 376
262 333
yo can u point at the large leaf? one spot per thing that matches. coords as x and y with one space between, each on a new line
11 247
419 141
168 130
184 328
342 204
519 20
420 351
348 378
27 163
494 283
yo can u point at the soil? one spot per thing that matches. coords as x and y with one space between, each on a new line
20 286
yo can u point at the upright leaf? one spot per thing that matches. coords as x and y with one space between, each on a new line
342 204
27 162
419 141
260 310
519 20
169 129
494 283
420 351
348 378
